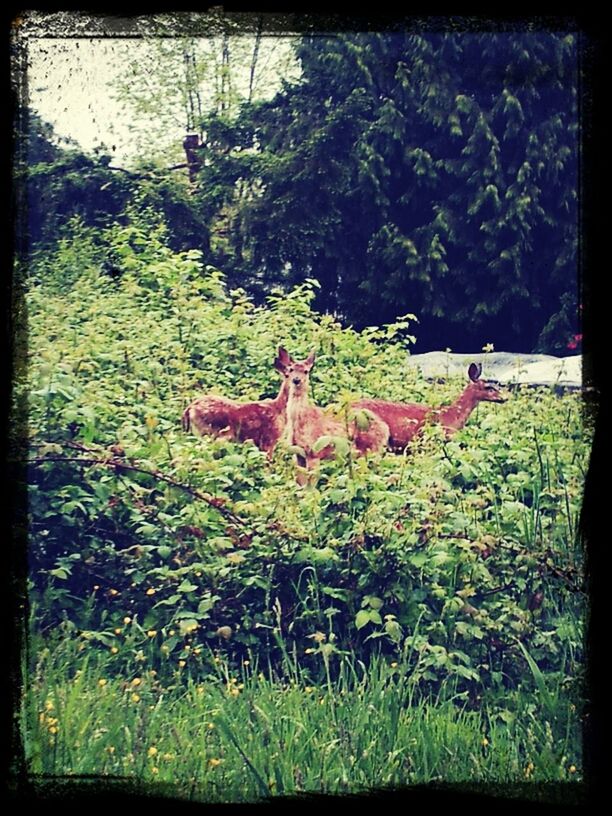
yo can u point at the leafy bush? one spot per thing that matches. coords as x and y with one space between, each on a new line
462 555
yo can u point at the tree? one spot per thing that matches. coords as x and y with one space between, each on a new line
429 173
57 183
172 84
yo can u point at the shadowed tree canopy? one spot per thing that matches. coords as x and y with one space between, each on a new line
427 173
59 182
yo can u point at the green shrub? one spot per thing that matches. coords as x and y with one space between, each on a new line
459 553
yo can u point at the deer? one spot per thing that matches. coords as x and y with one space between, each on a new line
306 423
263 422
405 419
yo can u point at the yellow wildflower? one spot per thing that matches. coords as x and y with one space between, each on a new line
49 705
151 633
182 664
572 769
114 649
152 751
214 762
154 770
136 681
127 620
118 631
135 698
102 681
150 591
113 591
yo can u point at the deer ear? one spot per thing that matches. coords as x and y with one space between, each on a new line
474 371
309 361
283 359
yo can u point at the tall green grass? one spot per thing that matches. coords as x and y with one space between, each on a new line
240 735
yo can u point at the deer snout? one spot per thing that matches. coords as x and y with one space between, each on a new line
497 397
296 381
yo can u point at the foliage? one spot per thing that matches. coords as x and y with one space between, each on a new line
458 554
59 184
239 734
432 172
435 172
172 84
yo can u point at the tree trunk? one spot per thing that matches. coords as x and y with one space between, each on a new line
255 57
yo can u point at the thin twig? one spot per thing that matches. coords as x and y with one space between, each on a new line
120 465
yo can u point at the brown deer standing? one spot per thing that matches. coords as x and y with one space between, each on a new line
306 423
263 422
406 419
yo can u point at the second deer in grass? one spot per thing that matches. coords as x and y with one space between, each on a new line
406 419
263 421
307 423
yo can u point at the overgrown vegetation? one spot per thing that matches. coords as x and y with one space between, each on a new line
198 619
162 555
434 173
236 735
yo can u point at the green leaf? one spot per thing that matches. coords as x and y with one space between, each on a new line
187 625
394 630
333 592
322 442
362 618
186 586
363 419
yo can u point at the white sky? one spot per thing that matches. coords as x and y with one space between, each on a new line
69 85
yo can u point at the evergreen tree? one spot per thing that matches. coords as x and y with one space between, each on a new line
428 173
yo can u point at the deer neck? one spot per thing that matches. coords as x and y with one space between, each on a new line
280 401
457 414
297 405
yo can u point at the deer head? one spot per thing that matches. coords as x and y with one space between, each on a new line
482 390
295 372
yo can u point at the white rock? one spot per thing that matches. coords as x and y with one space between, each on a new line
503 367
